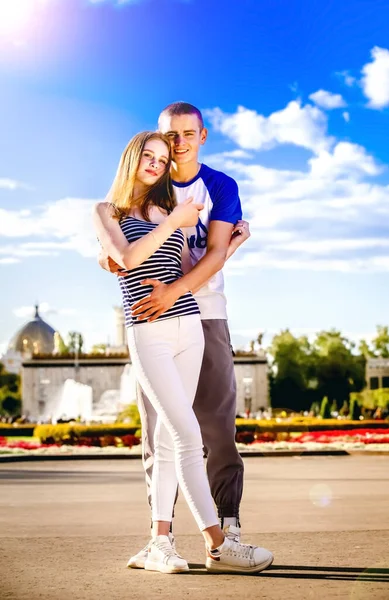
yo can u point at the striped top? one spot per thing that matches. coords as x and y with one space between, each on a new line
164 264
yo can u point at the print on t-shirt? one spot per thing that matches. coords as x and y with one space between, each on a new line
219 194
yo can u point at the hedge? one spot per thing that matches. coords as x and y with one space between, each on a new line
22 430
73 433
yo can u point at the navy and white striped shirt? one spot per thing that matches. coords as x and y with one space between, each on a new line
164 265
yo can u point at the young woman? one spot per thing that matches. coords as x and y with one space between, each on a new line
140 230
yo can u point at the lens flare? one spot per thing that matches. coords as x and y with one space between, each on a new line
321 495
16 16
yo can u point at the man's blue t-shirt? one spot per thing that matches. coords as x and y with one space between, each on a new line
219 194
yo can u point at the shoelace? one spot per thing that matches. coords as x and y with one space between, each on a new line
166 548
241 550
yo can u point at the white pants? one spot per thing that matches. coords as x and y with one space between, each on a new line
167 356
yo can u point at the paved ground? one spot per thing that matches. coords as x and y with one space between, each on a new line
67 529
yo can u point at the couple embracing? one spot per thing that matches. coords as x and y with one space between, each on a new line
167 228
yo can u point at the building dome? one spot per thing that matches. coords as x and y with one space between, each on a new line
35 337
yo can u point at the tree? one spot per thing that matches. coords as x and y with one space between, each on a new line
9 387
292 383
59 345
381 342
365 349
9 380
99 349
338 371
11 405
10 398
75 342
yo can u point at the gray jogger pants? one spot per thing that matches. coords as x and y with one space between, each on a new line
215 409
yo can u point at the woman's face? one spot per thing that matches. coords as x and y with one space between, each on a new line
153 163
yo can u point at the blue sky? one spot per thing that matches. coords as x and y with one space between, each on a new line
296 99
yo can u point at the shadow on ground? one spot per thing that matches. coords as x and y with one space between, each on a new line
297 572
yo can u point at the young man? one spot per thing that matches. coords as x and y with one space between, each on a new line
217 235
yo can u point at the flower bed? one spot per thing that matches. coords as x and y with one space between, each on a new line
354 439
364 436
84 444
304 424
358 439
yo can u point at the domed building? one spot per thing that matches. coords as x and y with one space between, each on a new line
35 337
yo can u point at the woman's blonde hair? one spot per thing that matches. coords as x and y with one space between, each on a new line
122 191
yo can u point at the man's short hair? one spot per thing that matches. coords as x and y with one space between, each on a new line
182 108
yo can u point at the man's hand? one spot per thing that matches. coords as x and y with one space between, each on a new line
158 302
108 264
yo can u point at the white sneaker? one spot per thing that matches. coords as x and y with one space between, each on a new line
162 557
232 533
233 557
138 560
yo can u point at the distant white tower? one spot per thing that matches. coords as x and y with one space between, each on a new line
121 339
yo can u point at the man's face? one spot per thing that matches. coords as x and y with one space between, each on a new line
185 135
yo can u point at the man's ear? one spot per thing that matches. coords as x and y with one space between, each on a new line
203 135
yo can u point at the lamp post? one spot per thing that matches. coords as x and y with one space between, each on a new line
247 381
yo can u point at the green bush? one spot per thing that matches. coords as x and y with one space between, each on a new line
71 433
131 413
355 409
372 398
325 410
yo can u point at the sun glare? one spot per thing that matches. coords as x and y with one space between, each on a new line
16 15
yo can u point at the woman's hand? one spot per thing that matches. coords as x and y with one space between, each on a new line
185 214
240 233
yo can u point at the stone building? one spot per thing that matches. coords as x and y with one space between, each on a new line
377 373
102 382
252 389
35 337
44 383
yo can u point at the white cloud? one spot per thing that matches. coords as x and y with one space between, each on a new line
59 226
346 116
348 79
304 126
375 78
264 260
332 245
327 100
322 217
27 312
9 260
12 184
344 158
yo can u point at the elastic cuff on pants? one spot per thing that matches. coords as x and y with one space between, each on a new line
228 510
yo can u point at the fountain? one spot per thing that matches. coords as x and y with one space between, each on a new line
112 402
74 400
127 387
